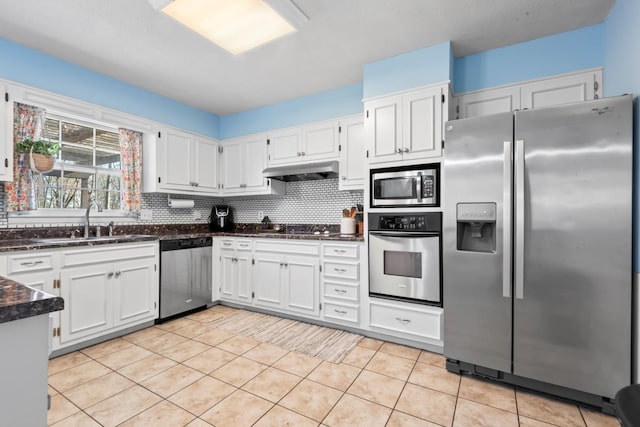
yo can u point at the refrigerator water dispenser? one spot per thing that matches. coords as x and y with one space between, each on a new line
476 227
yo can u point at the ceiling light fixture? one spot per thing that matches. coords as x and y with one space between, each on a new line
239 25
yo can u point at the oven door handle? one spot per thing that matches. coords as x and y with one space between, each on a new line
401 234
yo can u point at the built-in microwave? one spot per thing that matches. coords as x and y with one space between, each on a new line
406 186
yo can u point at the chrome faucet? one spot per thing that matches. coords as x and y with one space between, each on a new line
86 216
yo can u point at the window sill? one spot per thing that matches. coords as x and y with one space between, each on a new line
69 217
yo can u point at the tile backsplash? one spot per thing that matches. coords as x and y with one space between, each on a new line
304 202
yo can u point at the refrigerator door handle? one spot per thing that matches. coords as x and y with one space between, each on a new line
506 220
520 197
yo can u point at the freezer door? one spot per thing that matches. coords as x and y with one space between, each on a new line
477 178
572 306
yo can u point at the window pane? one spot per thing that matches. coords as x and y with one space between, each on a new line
51 129
107 160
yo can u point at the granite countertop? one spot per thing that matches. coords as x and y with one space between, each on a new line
18 301
46 238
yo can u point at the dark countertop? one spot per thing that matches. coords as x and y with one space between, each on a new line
19 302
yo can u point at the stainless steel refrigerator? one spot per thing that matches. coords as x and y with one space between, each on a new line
537 272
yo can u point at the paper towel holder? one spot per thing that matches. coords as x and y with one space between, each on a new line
179 203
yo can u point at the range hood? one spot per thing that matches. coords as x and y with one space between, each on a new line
302 172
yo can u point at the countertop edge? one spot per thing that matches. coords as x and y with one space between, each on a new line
18 301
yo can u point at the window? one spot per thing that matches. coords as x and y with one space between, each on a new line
88 166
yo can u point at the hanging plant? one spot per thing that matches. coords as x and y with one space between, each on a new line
41 153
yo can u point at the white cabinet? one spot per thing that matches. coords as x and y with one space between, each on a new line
236 270
106 288
6 135
341 283
405 320
187 163
483 103
286 276
574 87
242 161
315 141
38 270
406 126
352 168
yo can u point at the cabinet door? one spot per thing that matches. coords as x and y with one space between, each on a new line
422 124
320 141
560 90
255 161
205 165
228 285
302 278
87 292
244 277
6 136
383 128
233 166
352 154
176 154
135 291
284 146
492 101
268 280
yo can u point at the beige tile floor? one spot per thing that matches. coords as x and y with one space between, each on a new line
187 373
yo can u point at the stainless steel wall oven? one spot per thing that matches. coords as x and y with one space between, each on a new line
404 256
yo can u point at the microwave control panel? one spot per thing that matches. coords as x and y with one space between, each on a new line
427 186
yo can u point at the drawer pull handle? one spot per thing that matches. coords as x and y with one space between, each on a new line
340 251
341 291
340 312
403 321
31 263
244 245
340 270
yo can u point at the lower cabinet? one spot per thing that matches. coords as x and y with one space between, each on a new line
105 288
406 320
341 283
236 270
285 281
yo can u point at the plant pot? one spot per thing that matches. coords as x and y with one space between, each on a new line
41 163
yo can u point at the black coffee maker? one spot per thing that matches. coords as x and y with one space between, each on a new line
221 218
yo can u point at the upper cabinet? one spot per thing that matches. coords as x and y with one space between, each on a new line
351 149
242 161
575 87
303 144
406 126
186 163
6 135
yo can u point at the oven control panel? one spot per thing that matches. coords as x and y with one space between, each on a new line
423 221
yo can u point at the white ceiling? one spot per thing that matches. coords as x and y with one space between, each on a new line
132 42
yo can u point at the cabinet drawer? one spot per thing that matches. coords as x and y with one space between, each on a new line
342 291
297 248
424 322
107 253
343 251
345 313
342 270
29 262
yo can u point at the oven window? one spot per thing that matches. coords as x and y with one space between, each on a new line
402 263
395 188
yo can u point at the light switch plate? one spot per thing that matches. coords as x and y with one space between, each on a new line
197 215
146 214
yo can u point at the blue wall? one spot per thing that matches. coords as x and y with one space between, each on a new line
418 68
320 106
30 67
622 65
560 53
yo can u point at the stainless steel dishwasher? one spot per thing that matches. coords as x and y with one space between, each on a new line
185 275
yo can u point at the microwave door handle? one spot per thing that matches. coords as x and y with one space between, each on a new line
419 187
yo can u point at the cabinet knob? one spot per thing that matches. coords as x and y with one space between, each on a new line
406 150
344 178
299 154
399 150
303 153
110 275
196 184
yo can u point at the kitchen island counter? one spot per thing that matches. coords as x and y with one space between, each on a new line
18 301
